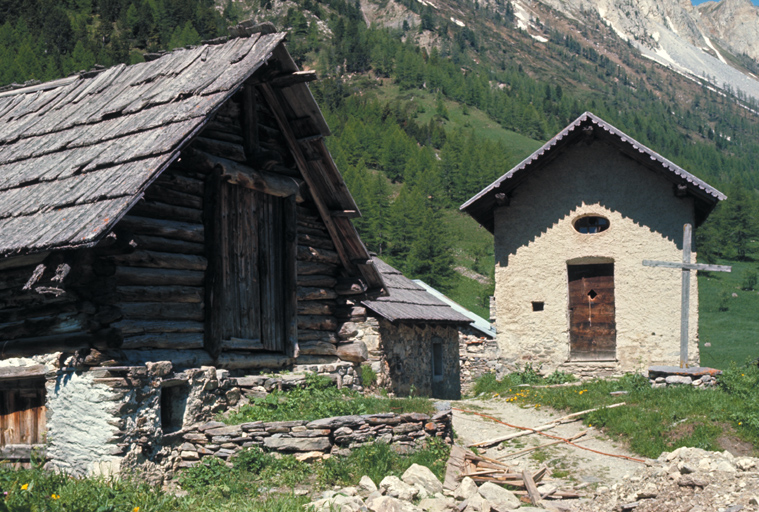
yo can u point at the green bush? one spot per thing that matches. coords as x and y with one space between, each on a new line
559 377
749 281
368 376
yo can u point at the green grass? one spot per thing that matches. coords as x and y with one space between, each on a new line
732 333
473 249
657 420
263 479
488 383
255 482
321 399
37 490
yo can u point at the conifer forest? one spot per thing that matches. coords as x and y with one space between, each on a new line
426 114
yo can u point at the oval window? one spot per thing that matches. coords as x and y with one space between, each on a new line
591 224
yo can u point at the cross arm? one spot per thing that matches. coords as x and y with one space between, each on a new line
688 266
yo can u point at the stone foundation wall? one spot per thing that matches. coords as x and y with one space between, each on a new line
310 440
478 356
104 420
401 356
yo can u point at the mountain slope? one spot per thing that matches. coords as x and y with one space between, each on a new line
704 42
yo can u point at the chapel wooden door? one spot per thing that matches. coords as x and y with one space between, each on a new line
592 325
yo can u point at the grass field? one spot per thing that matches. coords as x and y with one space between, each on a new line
653 420
728 316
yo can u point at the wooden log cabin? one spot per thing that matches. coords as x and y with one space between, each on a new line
161 225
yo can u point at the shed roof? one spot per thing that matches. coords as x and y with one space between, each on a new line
477 322
77 153
406 301
588 127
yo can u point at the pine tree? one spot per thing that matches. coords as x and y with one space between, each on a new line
430 257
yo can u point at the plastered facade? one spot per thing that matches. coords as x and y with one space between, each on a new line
535 241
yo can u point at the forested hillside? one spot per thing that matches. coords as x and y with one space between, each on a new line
426 110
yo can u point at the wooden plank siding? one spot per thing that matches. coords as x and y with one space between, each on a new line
22 412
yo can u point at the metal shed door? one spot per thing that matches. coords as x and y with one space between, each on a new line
592 325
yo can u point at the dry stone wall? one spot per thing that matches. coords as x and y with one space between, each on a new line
310 439
478 356
109 419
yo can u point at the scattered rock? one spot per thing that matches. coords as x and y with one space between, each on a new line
423 478
338 502
309 456
684 479
366 486
498 495
466 489
396 488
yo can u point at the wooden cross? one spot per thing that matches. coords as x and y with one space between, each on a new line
686 267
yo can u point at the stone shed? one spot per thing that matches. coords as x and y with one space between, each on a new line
572 224
166 229
412 338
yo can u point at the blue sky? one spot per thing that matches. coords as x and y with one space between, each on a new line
696 2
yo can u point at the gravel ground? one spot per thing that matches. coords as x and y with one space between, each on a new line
686 480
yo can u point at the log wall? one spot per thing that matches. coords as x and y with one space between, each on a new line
147 282
159 267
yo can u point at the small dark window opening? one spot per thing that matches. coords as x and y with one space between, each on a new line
592 294
538 306
437 361
173 406
591 224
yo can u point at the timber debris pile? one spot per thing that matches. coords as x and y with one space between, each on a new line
465 465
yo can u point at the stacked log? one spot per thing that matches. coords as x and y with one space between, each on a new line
317 277
159 282
45 307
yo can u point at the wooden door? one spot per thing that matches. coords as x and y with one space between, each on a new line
592 325
252 280
22 412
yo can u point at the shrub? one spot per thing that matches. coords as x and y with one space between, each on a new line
559 377
749 281
368 376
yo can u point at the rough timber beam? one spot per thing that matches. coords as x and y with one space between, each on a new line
305 169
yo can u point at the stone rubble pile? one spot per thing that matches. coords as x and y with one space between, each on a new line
418 490
687 479
699 377
311 440
674 380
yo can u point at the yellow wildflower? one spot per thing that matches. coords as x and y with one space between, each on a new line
56 496
24 487
136 509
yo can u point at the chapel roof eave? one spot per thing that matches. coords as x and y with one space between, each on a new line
588 125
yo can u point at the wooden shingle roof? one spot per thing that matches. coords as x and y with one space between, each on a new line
76 154
408 302
587 126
